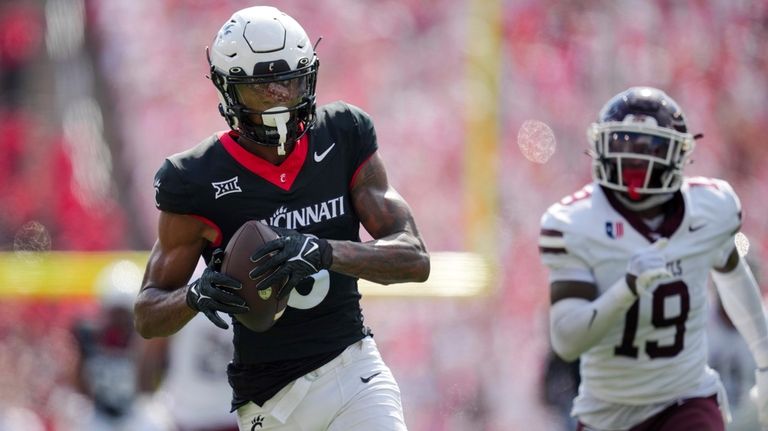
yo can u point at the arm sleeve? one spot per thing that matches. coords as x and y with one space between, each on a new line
556 255
728 208
172 192
575 324
364 136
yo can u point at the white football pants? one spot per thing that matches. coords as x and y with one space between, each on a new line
353 392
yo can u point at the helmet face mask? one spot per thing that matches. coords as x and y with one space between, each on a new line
256 98
265 71
640 144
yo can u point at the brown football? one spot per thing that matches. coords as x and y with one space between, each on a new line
265 309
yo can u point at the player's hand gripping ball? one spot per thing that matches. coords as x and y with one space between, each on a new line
215 292
291 257
265 306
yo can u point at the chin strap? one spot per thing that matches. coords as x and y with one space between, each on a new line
278 119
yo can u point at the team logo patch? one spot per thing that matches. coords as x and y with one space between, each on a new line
226 187
614 229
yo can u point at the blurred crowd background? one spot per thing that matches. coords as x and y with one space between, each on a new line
95 93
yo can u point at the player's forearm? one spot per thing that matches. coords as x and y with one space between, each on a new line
394 259
160 313
577 324
741 299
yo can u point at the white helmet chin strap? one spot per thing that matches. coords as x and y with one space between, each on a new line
278 120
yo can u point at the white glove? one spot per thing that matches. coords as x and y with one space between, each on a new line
759 394
648 267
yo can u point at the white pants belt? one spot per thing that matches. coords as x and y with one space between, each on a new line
299 388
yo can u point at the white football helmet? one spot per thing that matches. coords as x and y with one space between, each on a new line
264 69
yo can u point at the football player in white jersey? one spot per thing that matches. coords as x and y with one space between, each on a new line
629 258
183 367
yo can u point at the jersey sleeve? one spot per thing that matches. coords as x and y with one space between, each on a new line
729 204
556 252
364 135
172 192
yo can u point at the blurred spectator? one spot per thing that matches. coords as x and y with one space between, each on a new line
21 34
108 397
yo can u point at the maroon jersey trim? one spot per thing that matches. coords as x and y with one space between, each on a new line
552 232
282 175
674 211
552 250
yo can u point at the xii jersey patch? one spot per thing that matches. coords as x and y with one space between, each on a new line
226 187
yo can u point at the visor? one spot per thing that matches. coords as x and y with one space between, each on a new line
643 144
259 97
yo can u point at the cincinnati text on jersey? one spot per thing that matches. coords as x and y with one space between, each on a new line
308 215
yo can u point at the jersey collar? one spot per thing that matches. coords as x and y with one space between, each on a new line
282 175
674 210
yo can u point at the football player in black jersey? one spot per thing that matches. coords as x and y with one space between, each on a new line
315 174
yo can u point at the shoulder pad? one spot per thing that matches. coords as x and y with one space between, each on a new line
715 200
560 220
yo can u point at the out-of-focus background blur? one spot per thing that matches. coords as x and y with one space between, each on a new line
481 109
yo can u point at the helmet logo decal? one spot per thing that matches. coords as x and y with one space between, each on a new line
272 66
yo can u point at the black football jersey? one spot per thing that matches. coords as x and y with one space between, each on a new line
224 185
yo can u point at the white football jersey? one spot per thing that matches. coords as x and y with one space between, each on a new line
195 388
658 353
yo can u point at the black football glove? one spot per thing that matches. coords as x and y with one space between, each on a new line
212 292
293 257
